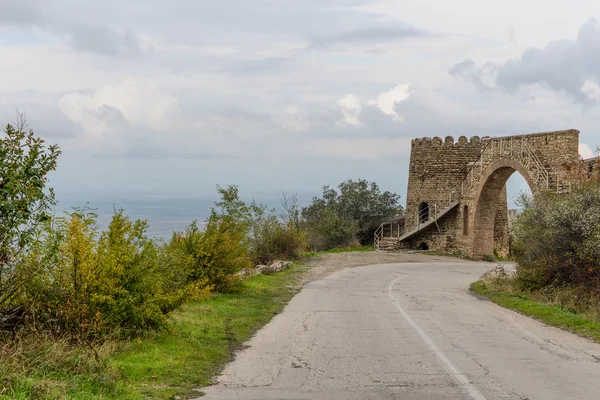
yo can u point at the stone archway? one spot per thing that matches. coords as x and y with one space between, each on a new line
486 201
463 180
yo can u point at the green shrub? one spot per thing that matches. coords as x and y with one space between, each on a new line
329 230
221 250
216 253
339 219
270 238
557 239
287 242
94 284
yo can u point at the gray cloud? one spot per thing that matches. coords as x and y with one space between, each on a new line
105 41
45 119
368 36
110 115
88 37
469 71
463 68
563 66
19 13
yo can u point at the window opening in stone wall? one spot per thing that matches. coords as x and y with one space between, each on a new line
466 220
423 212
424 246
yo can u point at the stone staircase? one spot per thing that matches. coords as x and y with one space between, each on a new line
407 234
513 147
389 235
388 244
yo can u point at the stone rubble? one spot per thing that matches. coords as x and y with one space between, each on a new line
275 267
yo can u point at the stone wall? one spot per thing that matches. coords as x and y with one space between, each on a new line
501 228
437 167
555 149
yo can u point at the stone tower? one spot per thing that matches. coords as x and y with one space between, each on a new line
456 199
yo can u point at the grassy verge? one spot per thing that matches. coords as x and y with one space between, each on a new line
341 250
201 338
550 314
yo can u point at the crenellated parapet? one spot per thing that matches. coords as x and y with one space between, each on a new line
448 141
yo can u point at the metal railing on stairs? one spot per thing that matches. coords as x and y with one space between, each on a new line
425 216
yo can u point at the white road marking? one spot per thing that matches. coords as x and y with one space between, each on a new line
446 363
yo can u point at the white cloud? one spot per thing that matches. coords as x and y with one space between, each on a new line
586 151
351 106
130 101
387 101
295 119
351 109
592 90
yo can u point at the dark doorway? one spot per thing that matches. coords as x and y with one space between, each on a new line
424 246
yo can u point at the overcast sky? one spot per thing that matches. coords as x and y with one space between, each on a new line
170 98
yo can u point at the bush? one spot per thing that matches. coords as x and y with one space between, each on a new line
90 284
94 284
271 238
340 219
216 253
287 242
327 230
557 239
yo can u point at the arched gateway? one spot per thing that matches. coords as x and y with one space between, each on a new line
463 185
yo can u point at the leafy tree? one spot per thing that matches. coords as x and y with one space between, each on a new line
364 203
351 213
24 202
221 250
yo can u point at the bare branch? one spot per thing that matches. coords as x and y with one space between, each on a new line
20 121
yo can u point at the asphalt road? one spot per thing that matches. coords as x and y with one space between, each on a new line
408 331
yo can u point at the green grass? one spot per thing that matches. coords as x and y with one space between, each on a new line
204 336
201 339
41 368
341 250
554 315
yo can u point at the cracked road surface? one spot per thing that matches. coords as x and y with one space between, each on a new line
408 331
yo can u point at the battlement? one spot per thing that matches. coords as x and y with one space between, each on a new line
476 141
447 142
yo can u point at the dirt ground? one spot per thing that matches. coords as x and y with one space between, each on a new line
326 264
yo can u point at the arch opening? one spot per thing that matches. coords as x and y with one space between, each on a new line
490 227
423 212
423 246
